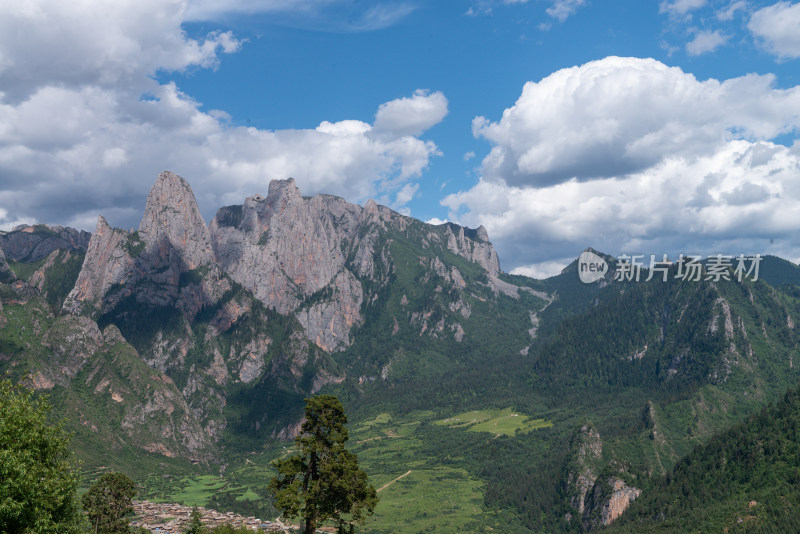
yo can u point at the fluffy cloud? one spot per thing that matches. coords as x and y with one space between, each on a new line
733 200
105 44
620 115
778 26
628 155
412 115
706 41
85 128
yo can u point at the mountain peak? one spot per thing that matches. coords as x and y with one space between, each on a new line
482 234
171 217
102 225
283 187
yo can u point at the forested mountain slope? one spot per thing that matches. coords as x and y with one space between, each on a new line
184 342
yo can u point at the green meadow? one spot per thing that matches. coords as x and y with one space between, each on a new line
419 490
506 422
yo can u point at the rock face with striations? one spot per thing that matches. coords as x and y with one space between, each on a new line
172 239
307 257
311 256
172 227
284 247
108 263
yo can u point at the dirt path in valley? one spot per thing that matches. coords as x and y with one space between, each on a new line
393 481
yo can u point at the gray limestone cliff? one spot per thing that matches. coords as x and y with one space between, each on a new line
586 454
108 263
172 239
473 245
597 491
284 247
608 498
172 227
312 257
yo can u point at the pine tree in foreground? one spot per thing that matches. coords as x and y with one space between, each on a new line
323 481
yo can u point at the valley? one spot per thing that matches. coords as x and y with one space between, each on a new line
180 353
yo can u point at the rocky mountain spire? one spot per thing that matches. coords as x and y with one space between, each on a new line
173 220
172 239
108 263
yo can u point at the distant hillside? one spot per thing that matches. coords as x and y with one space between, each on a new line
745 479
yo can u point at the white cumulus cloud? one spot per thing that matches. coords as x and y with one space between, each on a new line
706 41
411 115
733 200
778 27
629 155
107 44
619 115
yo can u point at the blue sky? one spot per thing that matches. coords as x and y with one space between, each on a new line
629 126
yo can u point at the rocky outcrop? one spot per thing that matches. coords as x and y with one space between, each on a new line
610 496
72 340
284 247
596 490
311 256
176 240
172 227
38 278
32 243
172 239
473 245
586 453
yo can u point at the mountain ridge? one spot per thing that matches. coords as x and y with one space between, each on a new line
199 342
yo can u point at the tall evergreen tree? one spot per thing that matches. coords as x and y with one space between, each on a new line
323 481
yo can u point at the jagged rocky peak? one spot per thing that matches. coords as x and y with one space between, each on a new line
172 238
283 188
473 245
108 262
173 220
284 247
